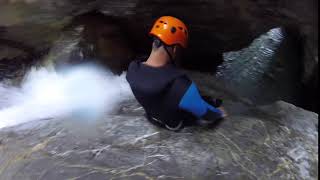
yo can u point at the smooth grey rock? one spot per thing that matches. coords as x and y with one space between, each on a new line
277 141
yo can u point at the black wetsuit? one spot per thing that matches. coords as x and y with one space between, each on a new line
168 96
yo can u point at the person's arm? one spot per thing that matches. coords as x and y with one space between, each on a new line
192 102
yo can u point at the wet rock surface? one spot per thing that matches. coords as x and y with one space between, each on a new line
278 141
16 57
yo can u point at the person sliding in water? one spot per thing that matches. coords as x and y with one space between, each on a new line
169 98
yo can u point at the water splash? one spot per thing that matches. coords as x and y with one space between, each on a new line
82 93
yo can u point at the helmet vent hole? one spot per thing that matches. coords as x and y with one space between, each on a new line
161 21
173 30
180 28
157 26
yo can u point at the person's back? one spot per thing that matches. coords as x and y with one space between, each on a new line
159 91
168 96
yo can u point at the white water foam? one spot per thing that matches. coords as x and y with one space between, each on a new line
83 92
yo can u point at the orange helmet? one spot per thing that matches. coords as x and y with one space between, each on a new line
170 31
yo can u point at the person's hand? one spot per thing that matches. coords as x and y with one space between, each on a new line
224 113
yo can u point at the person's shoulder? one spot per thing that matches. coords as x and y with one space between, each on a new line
136 62
183 78
180 74
132 64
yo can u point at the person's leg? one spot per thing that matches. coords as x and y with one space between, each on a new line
154 121
212 101
170 125
189 119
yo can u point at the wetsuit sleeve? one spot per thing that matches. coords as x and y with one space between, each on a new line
192 102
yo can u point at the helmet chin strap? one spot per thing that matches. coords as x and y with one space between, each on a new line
170 56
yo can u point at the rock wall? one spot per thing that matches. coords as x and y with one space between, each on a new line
216 26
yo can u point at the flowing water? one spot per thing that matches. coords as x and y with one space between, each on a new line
85 93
